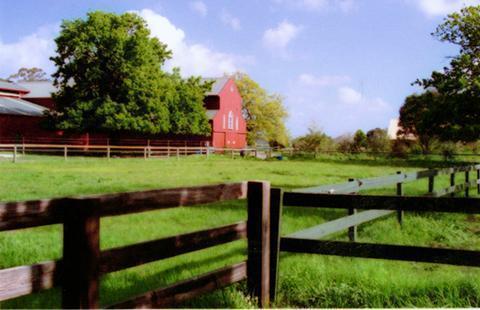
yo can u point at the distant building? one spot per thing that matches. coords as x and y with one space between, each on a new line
393 129
23 105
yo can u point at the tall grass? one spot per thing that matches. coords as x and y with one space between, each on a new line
305 280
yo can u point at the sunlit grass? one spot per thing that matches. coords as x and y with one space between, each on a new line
305 280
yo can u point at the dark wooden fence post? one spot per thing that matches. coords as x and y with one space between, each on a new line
276 200
400 193
467 185
431 184
81 257
352 231
258 234
478 178
452 183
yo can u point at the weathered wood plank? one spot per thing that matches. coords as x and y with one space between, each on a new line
124 203
185 290
24 280
145 252
406 203
16 215
338 225
382 251
258 233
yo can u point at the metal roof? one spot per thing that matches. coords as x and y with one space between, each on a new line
39 89
12 86
218 85
15 106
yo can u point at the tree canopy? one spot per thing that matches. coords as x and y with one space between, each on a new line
108 70
315 140
28 75
265 113
458 113
377 140
420 117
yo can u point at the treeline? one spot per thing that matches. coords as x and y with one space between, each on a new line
376 142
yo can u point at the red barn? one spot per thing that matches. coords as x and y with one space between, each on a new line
223 107
17 116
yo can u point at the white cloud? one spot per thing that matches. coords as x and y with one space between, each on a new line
200 7
319 5
321 81
33 50
193 59
230 20
280 36
349 95
332 104
442 7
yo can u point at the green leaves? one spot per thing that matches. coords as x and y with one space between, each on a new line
456 116
265 113
110 80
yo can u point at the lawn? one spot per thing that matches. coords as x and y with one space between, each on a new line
305 280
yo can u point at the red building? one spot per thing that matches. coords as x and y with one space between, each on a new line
22 107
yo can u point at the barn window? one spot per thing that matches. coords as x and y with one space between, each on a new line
236 123
230 120
224 122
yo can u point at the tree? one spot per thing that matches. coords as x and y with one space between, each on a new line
28 75
459 84
420 117
315 140
265 113
110 79
359 141
187 113
377 140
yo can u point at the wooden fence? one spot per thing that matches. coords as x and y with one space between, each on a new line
83 263
109 151
78 272
345 196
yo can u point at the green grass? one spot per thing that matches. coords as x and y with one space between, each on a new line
305 280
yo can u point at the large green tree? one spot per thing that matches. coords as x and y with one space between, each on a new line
265 113
421 116
458 116
110 79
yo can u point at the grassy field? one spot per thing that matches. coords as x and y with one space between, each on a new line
305 280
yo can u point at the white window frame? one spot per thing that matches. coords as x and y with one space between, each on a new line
230 120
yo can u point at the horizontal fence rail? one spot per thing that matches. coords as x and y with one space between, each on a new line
383 202
382 251
15 215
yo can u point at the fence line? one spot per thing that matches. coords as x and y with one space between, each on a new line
82 264
110 150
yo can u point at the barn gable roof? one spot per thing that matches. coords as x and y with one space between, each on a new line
218 84
15 106
5 85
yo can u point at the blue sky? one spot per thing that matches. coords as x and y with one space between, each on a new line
341 65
